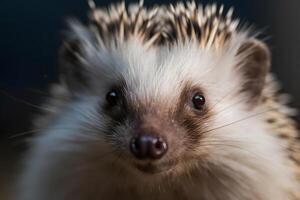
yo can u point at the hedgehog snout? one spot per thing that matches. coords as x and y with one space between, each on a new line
148 146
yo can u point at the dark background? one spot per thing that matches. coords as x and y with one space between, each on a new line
30 33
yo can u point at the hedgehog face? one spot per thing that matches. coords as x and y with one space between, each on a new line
161 109
154 109
171 106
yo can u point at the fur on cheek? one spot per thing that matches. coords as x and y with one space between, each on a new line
66 155
244 160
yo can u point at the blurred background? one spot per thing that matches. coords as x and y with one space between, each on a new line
30 36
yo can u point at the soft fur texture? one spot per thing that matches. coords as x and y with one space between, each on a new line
228 151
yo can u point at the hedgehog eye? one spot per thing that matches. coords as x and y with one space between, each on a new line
112 97
198 101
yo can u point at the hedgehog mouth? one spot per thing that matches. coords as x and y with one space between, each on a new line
156 168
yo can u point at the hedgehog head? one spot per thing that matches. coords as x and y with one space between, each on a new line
167 85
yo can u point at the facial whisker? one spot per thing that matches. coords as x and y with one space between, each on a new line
220 100
226 145
237 121
26 102
49 129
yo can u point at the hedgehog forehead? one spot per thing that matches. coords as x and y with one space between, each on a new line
147 72
162 74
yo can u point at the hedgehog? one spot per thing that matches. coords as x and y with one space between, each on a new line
168 102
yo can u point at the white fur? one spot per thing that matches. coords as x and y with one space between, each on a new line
247 163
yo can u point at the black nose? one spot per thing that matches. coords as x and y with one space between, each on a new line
148 147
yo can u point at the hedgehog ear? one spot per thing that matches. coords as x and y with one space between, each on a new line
255 64
72 70
72 62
